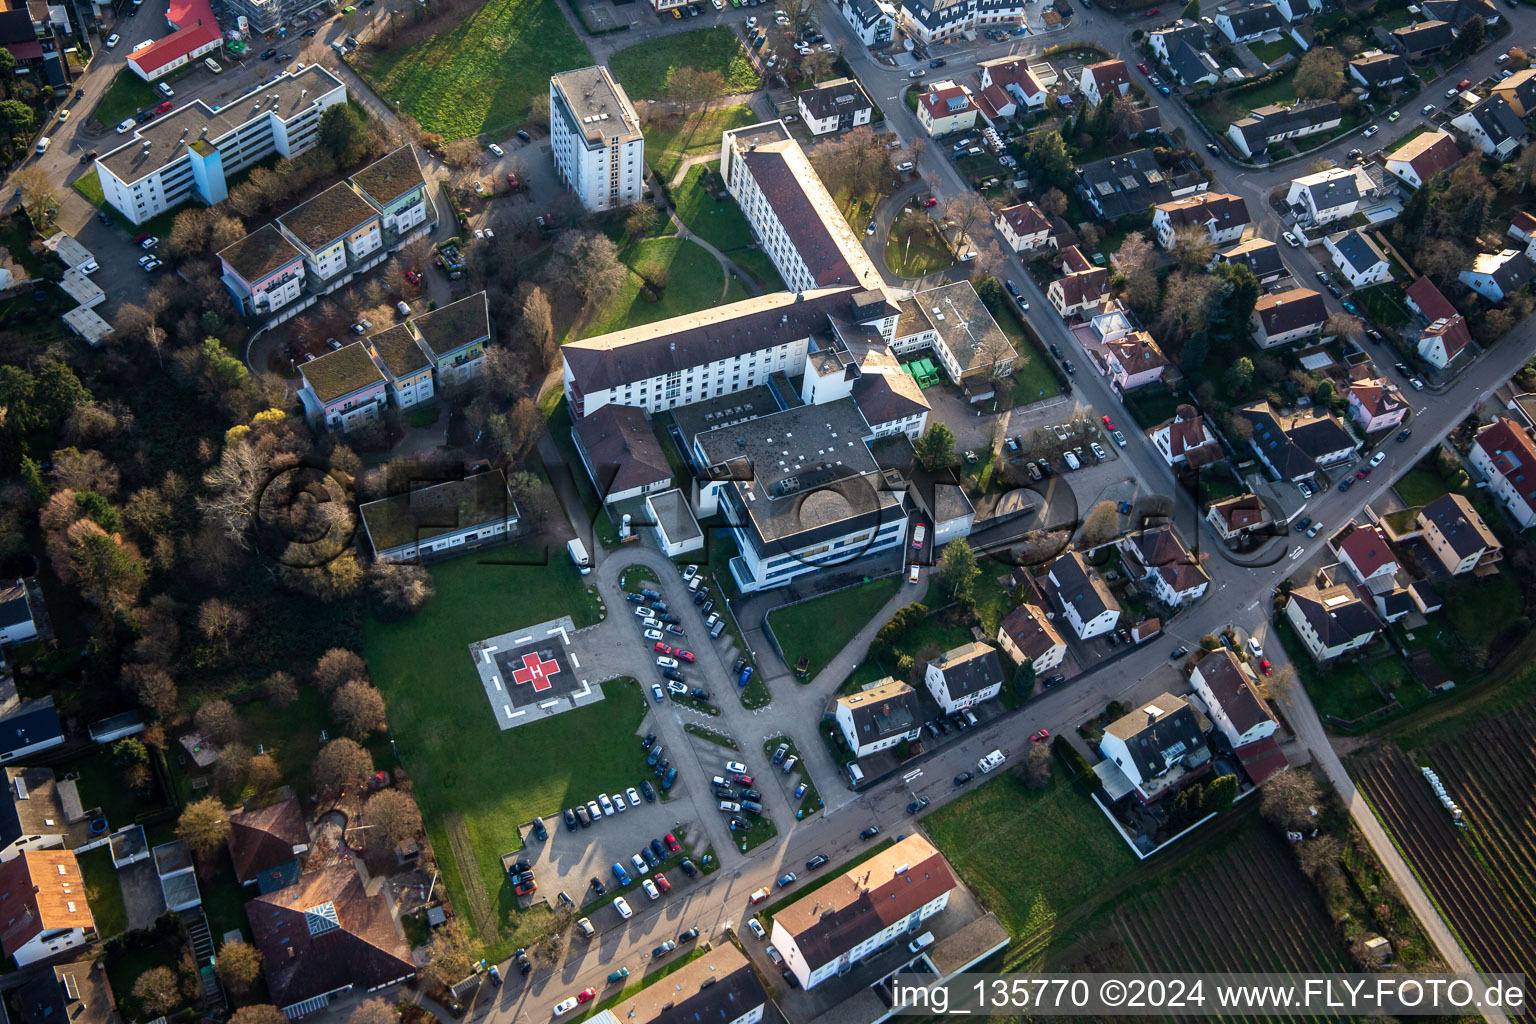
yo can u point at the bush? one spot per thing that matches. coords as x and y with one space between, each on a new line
1077 766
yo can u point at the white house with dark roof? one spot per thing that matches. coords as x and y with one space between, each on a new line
1422 39
1293 446
879 717
1497 276
873 22
18 618
441 519
1326 196
931 21
1086 603
1025 227
676 530
1375 69
621 453
1422 157
1358 259
1227 687
1259 255
1158 747
964 676
1269 125
1506 457
835 106
1026 634
1221 216
1248 20
1331 620
1159 558
1493 127
1457 535
1283 317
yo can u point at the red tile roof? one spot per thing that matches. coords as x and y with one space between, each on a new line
1109 74
1375 398
1242 511
1513 454
1262 759
175 46
1429 301
42 890
1073 261
937 102
1452 332
1025 219
1429 154
1368 550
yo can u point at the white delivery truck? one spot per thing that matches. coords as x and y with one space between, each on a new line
578 552
991 761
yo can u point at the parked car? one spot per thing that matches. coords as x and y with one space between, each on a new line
870 833
964 777
816 862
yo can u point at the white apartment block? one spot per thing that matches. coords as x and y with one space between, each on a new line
191 151
930 21
595 138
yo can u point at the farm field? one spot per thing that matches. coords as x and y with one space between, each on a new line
480 75
1482 877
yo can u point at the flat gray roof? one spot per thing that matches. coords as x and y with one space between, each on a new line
601 108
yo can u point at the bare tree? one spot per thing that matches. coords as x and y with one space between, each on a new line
336 666
280 689
203 826
221 623
1193 249
157 991
374 1011
451 954
400 586
218 718
1342 325
965 211
1292 799
1101 525
358 708
394 816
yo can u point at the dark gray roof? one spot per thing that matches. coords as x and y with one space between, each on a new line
1081 587
1514 273
1460 524
1256 17
1286 311
1193 35
1336 191
719 332
868 12
15 607
1424 36
1459 12
883 711
1260 256
969 669
1360 252
75 993
1271 122
1383 67
1322 436
1336 614
1128 183
621 449
835 98
1270 440
1159 734
34 722
1190 63
1498 120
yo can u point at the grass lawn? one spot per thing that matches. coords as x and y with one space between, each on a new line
1383 303
915 248
101 786
1419 487
1481 610
1030 856
718 221
694 281
1220 112
127 95
482 74
103 892
818 629
1389 20
89 186
757 263
669 139
643 69
1271 52
291 735
463 766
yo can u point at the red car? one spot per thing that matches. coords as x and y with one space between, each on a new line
661 648
1363 473
527 889
745 780
586 995
413 277
164 107
671 841
1144 69
1109 423
929 201
1154 12
1265 666
139 238
685 655
661 882
511 181
1042 735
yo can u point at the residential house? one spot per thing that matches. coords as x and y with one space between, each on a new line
1268 125
1457 535
883 900
595 138
1493 127
879 717
935 21
41 813
1364 551
18 616
1247 21
1024 227
1158 557
1129 183
1422 157
447 518
1441 341
342 389
455 337
263 271
1227 687
946 107
718 986
964 676
1519 91
1425 299
1423 39
1497 276
1283 317
406 365
1457 13
31 727
1504 454
1220 216
1026 634
1185 440
1358 258
1159 747
1108 79
324 937
621 453
43 906
1326 196
1376 405
1377 70
1292 10
78 993
1082 288
835 106
335 230
1134 361
873 22
1235 517
1165 40
1331 620
1015 77
1522 226
1259 255
1193 66
1294 446
266 840
1086 603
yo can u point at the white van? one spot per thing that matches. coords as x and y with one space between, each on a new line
585 924
991 761
1071 461
213 65
920 943
42 144
855 774
904 166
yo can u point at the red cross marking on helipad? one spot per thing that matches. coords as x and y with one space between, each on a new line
536 671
